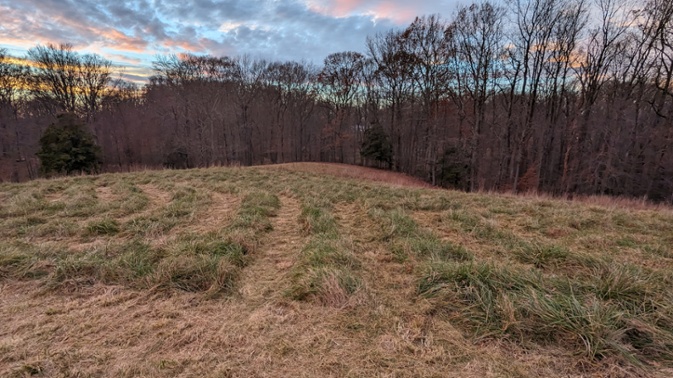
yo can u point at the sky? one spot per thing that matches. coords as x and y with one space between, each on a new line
131 33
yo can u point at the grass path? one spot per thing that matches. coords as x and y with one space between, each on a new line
264 278
389 282
218 215
158 199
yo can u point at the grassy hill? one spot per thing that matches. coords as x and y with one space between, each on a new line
292 271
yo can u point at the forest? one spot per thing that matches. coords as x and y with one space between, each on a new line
555 96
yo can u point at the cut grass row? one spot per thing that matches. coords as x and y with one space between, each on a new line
327 269
207 263
407 239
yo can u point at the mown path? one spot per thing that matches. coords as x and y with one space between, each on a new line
264 277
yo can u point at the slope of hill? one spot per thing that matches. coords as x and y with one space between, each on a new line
287 272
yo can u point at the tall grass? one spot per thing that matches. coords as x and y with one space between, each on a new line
326 270
406 238
609 315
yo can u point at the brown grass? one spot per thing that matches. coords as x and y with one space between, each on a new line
104 193
158 197
386 328
266 277
115 332
217 215
355 172
603 201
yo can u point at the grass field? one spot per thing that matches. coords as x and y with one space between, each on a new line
310 270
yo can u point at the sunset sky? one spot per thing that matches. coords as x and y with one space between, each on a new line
132 32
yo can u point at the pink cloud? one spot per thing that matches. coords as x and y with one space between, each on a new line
119 41
125 59
190 46
20 43
346 7
400 12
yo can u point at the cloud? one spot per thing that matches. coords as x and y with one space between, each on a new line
137 76
400 12
292 30
271 29
124 59
124 42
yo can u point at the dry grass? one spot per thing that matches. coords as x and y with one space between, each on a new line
604 201
268 272
355 172
265 277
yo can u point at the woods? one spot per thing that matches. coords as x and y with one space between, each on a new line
557 96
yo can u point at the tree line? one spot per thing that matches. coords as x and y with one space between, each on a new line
558 96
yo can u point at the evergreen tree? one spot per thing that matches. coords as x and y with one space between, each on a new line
376 145
455 169
66 147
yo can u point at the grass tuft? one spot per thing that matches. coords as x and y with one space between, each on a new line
508 303
199 273
318 220
16 264
407 238
256 209
103 227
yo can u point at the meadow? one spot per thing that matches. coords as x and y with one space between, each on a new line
313 270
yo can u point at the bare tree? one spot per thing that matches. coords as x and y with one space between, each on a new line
341 79
55 77
291 91
605 43
477 34
64 81
393 76
558 87
12 81
430 52
534 24
94 81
